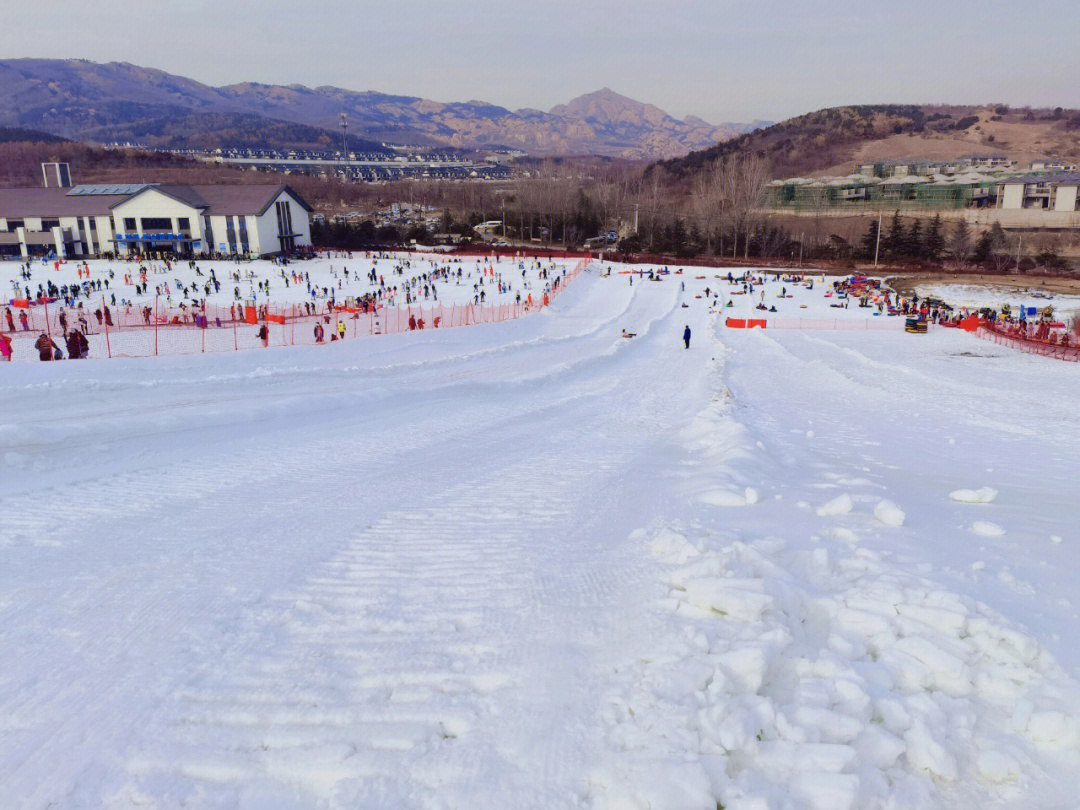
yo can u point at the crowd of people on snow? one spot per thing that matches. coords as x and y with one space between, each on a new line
106 298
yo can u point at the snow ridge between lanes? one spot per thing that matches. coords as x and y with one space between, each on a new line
803 674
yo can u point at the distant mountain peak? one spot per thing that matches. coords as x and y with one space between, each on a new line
119 101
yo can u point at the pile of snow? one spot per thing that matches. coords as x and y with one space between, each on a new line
983 495
895 687
827 678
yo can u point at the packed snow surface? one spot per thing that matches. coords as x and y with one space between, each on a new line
977 296
537 564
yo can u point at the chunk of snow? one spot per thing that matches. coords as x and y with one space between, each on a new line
839 505
727 497
745 667
926 754
1052 727
672 547
984 495
987 529
939 669
889 513
738 598
830 726
997 766
844 535
878 747
826 791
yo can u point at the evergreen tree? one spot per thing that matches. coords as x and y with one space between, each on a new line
677 238
869 243
913 242
934 243
989 244
696 237
894 242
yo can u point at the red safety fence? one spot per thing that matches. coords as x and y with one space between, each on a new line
152 329
828 324
1033 339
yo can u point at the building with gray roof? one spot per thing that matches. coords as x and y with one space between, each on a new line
124 218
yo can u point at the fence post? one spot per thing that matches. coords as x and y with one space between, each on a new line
48 329
156 325
205 325
105 321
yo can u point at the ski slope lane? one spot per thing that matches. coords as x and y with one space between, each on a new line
385 573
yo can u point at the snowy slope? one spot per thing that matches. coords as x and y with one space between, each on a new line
534 564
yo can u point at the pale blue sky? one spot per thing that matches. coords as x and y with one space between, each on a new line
724 60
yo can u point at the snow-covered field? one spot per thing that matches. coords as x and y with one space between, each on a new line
535 564
976 296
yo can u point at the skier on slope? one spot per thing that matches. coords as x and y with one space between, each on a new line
686 336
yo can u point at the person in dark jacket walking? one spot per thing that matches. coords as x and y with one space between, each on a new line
47 350
686 336
77 345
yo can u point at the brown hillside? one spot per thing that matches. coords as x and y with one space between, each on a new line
832 141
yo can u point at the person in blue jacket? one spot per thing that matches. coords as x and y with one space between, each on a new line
686 336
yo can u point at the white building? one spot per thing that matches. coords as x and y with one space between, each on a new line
1050 192
91 220
1053 165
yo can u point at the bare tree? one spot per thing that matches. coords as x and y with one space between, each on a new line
1004 254
742 181
704 201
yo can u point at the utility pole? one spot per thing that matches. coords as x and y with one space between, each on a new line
800 249
345 143
877 243
1019 245
635 219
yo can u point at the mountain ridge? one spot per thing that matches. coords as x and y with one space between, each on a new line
61 96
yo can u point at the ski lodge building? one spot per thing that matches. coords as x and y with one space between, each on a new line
188 220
